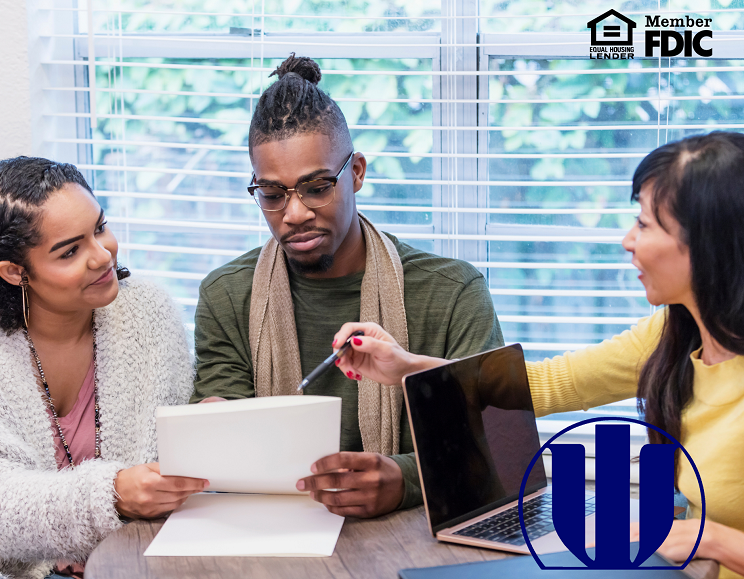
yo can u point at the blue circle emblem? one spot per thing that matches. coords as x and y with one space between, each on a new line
538 455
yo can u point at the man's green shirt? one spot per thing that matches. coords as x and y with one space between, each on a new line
448 310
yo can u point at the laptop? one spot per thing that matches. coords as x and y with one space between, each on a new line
474 434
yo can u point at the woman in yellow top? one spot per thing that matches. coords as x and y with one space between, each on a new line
685 363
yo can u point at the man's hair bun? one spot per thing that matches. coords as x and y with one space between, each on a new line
296 104
302 66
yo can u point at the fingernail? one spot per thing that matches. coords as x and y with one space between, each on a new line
350 374
358 376
313 468
357 341
301 485
333 344
206 484
338 362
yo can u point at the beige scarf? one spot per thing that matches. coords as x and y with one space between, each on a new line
273 336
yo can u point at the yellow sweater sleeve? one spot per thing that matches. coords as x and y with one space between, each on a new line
596 375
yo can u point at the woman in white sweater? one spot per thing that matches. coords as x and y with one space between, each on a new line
86 355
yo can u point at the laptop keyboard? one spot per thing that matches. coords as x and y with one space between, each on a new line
504 527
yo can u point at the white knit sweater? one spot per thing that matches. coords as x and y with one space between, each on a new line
143 363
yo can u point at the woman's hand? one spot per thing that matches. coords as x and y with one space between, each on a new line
377 355
680 540
720 543
145 494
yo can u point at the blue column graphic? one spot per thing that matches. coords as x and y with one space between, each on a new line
612 463
656 497
612 504
568 497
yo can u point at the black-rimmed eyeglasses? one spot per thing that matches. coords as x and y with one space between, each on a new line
313 194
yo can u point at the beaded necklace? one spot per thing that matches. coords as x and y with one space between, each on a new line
49 396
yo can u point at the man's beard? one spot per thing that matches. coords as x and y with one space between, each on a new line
323 264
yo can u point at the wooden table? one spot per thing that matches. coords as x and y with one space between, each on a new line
366 549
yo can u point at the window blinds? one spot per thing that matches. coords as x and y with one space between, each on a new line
491 135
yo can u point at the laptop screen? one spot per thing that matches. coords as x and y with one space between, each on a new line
475 434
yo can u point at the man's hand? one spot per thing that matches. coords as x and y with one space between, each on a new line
372 484
145 494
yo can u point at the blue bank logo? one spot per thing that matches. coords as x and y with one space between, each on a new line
612 470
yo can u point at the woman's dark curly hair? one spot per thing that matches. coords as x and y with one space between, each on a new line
294 104
26 183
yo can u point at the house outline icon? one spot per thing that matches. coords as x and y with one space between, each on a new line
592 24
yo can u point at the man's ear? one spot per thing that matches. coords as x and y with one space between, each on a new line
359 170
11 272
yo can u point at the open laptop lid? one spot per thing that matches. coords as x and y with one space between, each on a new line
474 433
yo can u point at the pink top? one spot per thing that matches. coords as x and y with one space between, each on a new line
79 428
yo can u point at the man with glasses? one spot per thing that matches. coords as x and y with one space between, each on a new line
268 318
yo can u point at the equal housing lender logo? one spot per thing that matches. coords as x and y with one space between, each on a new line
612 36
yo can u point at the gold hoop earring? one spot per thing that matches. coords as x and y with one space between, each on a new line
24 297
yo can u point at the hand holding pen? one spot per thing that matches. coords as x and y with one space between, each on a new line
329 362
376 355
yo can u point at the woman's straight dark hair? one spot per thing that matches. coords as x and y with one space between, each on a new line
26 183
699 181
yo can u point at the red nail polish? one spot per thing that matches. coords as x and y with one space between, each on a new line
338 362
357 341
358 376
334 343
350 374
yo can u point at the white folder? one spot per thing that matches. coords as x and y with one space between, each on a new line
261 446
255 445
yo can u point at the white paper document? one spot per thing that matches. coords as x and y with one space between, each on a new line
236 525
255 445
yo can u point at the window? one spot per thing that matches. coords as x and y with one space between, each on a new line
163 131
491 136
565 135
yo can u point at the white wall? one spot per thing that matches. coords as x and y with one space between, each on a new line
15 91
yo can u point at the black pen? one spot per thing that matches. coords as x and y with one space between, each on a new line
329 362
